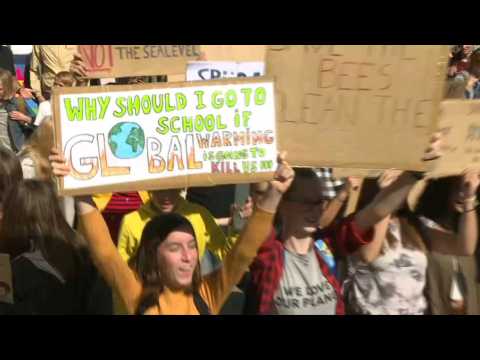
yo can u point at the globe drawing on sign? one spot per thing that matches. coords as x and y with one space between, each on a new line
126 140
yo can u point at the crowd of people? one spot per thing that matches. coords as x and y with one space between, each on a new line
409 247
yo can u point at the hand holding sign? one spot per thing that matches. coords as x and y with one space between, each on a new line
78 69
434 151
469 186
280 184
388 177
58 163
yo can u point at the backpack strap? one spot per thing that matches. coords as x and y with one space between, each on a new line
201 305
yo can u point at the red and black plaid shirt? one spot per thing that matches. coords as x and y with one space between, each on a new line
267 268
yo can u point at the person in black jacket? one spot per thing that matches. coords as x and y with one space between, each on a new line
51 269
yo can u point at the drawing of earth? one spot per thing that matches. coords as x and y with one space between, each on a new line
126 140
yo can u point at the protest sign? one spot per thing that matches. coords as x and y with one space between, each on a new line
110 61
207 70
460 123
159 136
352 106
6 286
177 78
238 53
363 173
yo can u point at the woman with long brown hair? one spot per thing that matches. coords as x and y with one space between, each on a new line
51 269
163 276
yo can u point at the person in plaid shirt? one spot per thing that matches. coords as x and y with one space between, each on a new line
289 275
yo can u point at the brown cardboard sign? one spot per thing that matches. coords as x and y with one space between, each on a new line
237 53
166 135
460 124
110 61
363 173
357 106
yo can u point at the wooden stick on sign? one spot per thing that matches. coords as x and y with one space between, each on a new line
353 198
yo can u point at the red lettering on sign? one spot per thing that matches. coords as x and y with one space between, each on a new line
98 58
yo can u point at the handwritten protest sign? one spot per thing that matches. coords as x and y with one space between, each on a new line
238 53
110 61
6 286
206 70
155 136
460 122
367 107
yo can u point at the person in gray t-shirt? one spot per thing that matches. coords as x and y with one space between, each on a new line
304 290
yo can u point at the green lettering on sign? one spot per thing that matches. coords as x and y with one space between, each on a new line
74 112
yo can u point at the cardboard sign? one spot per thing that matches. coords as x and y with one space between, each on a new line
161 136
352 106
363 173
6 285
206 70
110 61
238 53
460 122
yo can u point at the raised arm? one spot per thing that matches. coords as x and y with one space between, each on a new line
217 286
468 222
336 204
369 252
102 249
462 242
391 198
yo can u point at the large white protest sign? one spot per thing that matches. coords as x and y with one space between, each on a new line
158 136
206 70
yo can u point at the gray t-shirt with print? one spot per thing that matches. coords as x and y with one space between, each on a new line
304 290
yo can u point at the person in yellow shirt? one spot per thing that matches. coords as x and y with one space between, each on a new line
208 233
114 206
163 276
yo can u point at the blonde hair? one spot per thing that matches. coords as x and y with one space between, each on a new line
38 149
9 88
